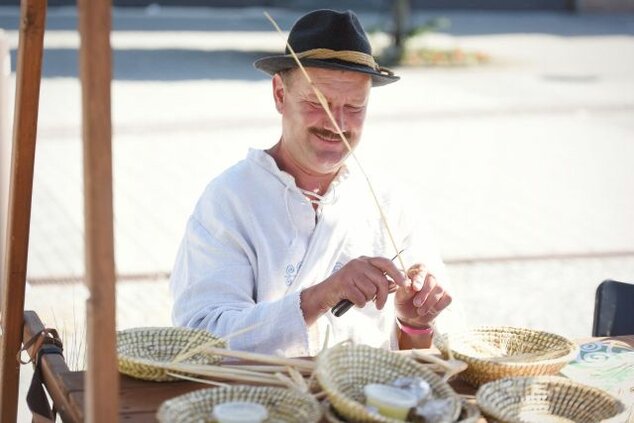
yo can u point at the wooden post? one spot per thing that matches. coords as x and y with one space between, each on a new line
95 69
29 72
5 145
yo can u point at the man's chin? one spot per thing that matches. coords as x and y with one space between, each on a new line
331 162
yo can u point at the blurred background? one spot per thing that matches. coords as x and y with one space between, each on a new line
513 121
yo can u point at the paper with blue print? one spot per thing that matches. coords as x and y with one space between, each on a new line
607 364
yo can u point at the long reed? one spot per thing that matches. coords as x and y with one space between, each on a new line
222 373
263 358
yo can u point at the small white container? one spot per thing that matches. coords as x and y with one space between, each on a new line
390 401
240 412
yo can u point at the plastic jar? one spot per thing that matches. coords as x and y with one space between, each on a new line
390 401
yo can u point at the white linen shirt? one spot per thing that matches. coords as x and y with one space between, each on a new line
254 242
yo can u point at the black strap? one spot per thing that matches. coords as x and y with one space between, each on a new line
36 396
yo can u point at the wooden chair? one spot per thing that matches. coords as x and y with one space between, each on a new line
613 309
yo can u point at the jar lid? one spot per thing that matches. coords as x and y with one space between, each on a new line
240 412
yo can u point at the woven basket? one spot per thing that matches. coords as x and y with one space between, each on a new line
469 413
283 405
546 399
521 352
142 351
345 369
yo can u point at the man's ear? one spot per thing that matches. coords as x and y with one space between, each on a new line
278 92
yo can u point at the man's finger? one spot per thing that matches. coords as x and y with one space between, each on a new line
429 284
443 303
388 267
379 285
415 270
357 297
381 295
369 284
432 299
435 310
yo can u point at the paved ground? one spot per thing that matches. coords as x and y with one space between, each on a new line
526 163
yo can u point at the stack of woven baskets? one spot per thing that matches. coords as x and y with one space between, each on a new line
514 369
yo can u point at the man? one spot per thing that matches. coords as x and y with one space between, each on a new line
280 238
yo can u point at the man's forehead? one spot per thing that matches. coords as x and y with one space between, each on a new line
327 75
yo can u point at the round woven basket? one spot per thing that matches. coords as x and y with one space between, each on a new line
283 405
545 399
143 352
343 371
496 352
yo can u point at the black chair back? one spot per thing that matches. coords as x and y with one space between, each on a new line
614 309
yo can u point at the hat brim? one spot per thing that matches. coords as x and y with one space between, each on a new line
275 64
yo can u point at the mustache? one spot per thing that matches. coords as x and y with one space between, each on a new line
324 133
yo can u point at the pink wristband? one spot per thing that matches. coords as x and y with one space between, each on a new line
414 331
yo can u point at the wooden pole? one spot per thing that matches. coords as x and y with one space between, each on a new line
95 68
5 144
29 72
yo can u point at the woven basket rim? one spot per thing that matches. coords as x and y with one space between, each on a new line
130 344
573 347
168 329
472 410
155 329
494 386
182 400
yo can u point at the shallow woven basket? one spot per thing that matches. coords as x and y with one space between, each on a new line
546 399
142 351
478 347
283 405
343 371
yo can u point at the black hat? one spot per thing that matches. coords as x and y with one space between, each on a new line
332 40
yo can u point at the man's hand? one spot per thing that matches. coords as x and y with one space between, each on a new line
361 280
420 303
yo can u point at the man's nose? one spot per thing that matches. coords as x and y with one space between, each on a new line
339 115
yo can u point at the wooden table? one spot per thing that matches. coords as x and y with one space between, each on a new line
139 399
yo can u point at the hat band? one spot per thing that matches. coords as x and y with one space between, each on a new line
347 55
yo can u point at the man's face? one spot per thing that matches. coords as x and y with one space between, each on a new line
309 138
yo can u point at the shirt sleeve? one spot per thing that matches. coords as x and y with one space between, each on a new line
213 284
